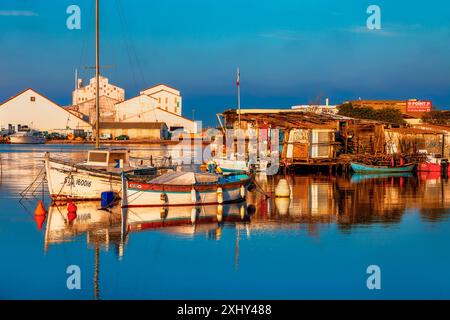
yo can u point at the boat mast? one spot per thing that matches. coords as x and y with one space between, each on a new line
97 75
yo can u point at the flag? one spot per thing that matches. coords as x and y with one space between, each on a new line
238 77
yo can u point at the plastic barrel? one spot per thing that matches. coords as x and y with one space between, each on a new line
107 199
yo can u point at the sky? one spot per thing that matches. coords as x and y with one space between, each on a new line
288 51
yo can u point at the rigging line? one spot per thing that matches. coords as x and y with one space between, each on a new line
126 44
131 42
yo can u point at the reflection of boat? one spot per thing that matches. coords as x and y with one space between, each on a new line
61 226
186 188
365 168
356 178
87 180
27 137
183 219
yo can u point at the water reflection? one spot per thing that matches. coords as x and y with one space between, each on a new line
347 202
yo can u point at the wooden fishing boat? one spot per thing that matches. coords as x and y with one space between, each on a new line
88 179
365 168
185 188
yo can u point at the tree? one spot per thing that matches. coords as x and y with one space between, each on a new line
390 115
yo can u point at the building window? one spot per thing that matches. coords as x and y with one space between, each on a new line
167 100
32 99
166 108
159 99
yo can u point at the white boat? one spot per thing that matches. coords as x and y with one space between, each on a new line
185 188
232 165
87 180
27 137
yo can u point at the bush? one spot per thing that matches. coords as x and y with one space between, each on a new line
390 115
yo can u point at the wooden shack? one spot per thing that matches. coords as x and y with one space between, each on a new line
304 137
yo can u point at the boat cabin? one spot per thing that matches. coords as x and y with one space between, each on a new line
108 158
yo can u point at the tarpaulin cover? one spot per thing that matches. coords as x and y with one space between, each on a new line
185 178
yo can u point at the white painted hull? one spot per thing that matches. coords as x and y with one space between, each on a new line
140 195
26 140
68 182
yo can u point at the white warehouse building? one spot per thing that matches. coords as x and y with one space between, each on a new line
35 111
150 106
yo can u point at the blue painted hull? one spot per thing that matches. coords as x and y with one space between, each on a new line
363 168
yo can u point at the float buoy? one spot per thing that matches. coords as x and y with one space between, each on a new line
219 195
282 189
243 192
40 209
39 219
193 195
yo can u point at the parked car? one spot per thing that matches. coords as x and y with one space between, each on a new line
55 136
123 137
105 136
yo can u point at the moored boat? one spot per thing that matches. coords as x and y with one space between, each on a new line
27 137
433 163
365 168
87 180
185 188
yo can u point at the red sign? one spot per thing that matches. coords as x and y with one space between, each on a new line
419 106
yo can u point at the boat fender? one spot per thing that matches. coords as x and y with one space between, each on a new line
219 213
193 215
219 195
163 213
242 192
193 195
242 212
163 198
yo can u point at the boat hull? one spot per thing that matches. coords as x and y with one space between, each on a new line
26 140
151 195
431 167
363 168
69 182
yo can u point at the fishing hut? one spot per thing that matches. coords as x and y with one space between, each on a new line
306 140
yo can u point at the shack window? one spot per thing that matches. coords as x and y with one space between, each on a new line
32 99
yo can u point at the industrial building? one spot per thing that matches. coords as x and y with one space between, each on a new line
135 130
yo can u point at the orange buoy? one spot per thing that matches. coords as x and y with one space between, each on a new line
39 219
40 210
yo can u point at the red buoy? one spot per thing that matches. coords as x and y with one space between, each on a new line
71 211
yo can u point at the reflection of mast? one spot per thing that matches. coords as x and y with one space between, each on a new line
96 271
236 254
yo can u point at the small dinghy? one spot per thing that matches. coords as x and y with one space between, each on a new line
365 168
185 188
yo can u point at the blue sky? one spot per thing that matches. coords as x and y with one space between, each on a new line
289 51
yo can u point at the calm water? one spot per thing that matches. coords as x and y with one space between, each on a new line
317 244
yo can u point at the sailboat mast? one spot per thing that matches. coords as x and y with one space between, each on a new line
97 75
